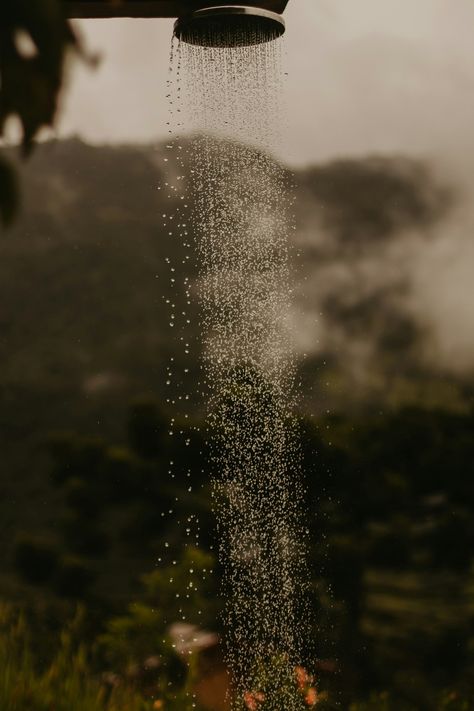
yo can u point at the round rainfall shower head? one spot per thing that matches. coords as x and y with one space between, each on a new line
229 26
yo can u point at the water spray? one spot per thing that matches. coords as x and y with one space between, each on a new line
228 79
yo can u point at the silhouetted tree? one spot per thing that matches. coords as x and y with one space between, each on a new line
35 38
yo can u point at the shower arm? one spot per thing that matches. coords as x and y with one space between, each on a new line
157 8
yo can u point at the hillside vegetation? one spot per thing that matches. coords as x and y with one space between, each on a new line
99 532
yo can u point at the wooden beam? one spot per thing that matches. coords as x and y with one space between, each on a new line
156 8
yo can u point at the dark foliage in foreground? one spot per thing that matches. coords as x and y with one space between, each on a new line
388 506
88 506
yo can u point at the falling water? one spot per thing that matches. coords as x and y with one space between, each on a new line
242 202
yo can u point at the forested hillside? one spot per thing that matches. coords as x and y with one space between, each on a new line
88 279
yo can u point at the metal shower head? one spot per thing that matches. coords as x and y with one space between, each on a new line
229 26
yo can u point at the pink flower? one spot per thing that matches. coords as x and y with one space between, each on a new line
250 701
302 677
253 699
311 697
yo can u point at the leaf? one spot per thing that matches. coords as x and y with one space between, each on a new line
30 85
9 196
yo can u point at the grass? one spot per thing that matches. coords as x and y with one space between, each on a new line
64 684
67 681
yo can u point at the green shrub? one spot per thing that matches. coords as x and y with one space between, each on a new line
390 548
83 536
82 498
75 457
65 684
182 589
146 428
73 577
36 560
120 480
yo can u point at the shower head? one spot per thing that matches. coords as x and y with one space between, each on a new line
229 26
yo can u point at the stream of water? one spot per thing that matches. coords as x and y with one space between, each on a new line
229 99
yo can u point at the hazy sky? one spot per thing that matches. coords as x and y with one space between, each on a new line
364 76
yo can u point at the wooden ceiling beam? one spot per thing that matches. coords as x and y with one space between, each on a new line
156 8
